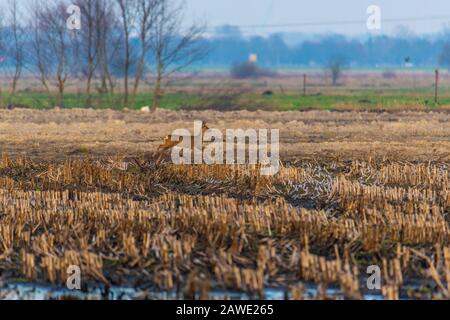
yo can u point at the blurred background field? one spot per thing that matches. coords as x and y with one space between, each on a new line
284 92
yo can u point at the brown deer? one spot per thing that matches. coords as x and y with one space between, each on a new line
168 143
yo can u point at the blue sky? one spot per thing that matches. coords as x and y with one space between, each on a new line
274 12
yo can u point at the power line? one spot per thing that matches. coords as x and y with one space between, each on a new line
334 23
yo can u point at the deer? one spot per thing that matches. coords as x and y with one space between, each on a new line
169 144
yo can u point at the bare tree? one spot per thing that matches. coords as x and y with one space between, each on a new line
102 29
54 47
40 57
136 23
173 47
90 42
99 42
127 14
334 68
99 39
147 15
108 43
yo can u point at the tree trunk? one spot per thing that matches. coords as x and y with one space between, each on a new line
139 73
88 91
125 99
61 94
156 95
127 67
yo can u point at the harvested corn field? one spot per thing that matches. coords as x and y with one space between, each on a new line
354 190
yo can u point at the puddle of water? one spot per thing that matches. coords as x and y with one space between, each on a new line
36 292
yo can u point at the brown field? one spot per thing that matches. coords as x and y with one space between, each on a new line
80 187
59 134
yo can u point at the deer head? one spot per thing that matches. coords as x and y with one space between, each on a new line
204 127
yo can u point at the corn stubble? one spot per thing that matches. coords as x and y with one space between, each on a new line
194 229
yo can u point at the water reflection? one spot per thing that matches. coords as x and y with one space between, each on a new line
36 292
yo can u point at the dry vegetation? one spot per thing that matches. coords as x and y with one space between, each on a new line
355 189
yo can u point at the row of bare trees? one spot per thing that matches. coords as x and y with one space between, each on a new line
121 45
13 52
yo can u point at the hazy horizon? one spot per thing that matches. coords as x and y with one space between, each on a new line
346 17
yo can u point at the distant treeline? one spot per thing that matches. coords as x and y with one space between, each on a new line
376 51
